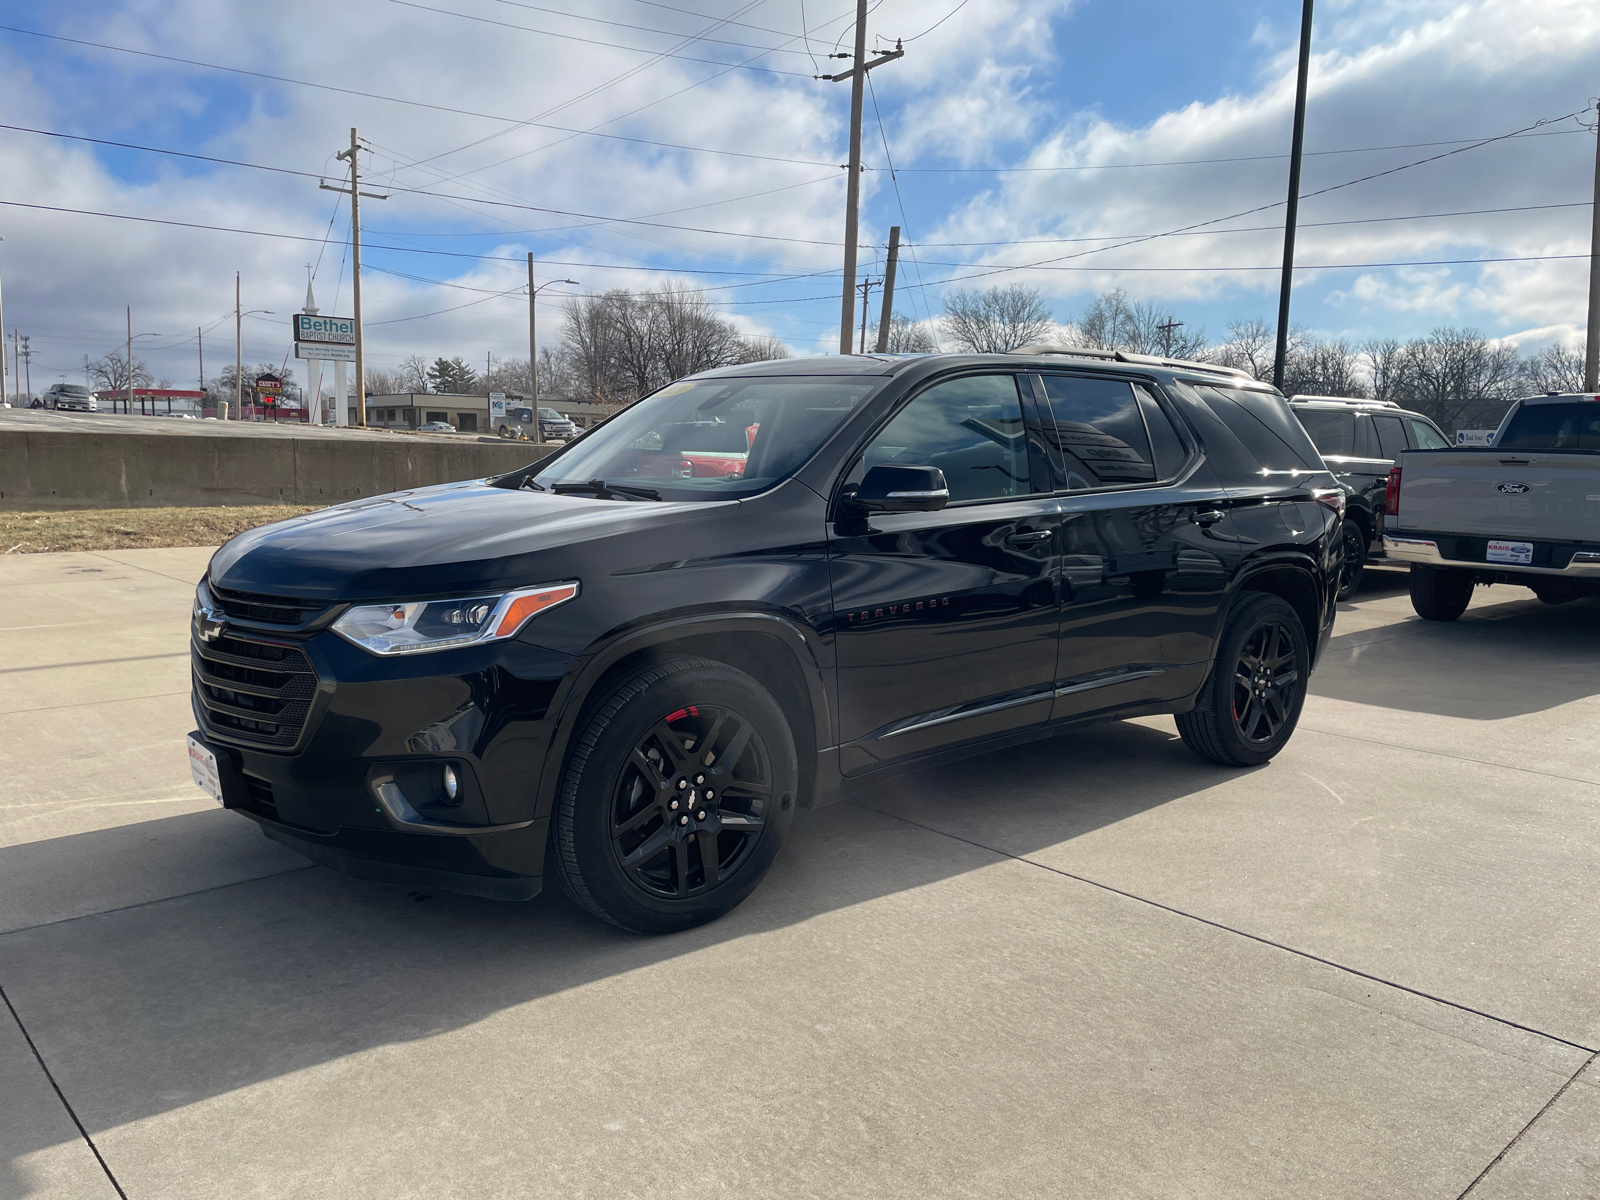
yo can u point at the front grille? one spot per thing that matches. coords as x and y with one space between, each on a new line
271 610
253 692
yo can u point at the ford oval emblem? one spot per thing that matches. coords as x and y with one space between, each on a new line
1513 489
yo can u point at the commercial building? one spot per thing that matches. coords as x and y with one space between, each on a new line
469 414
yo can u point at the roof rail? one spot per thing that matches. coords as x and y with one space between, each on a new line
1128 356
1358 401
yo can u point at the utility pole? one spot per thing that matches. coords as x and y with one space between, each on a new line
5 401
355 193
200 336
888 289
865 288
130 359
533 350
1293 214
858 79
1166 335
238 352
1591 355
27 363
16 359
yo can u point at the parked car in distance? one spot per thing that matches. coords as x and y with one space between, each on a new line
69 397
553 427
608 670
1361 440
436 427
1524 509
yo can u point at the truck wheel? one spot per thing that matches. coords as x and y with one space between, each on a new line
1355 558
1439 593
677 796
1249 706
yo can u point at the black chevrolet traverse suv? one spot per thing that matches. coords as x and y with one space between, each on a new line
757 589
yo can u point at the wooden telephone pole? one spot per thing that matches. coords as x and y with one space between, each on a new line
355 193
857 75
888 289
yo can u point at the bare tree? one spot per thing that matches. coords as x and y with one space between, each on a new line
383 383
1250 347
761 348
413 374
1556 369
906 336
996 320
1324 368
1459 377
1385 361
508 375
558 374
1114 322
109 373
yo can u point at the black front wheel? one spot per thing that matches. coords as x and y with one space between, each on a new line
1355 558
1248 708
677 796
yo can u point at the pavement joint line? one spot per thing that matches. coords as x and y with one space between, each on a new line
60 1095
98 662
1481 762
1254 937
1561 1091
88 703
100 554
121 908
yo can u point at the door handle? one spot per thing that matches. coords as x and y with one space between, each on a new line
1205 518
1028 538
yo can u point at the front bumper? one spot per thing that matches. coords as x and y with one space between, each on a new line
1579 564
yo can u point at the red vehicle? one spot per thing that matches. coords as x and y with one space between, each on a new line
710 450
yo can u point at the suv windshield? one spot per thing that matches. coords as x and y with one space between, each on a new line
1553 427
711 439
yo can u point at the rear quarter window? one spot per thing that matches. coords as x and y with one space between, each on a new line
1332 432
1265 426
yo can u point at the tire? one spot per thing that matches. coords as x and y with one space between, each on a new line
1355 558
640 814
1249 707
1439 593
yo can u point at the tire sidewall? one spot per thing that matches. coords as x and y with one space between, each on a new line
1244 622
583 813
1350 573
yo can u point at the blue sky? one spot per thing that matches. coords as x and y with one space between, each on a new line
1011 123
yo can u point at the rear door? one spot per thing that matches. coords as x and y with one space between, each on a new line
1141 582
946 622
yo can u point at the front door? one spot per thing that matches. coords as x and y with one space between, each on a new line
946 621
1143 576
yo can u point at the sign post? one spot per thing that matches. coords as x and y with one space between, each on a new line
319 339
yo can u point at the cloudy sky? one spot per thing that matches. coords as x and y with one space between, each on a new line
628 142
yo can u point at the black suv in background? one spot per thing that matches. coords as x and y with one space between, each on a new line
626 665
1361 440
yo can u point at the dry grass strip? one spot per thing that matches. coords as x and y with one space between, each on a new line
132 528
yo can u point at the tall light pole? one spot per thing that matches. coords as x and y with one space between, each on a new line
131 336
1591 353
238 348
5 399
533 349
1292 217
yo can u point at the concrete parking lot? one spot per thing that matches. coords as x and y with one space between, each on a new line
1090 967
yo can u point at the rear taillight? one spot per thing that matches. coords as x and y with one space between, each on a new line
1391 494
1332 498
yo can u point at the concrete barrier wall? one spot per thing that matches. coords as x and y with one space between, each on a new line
69 469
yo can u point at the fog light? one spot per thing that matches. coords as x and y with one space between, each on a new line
452 785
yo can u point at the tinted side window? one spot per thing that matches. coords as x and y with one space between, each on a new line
1426 436
1263 422
971 429
1391 437
1333 432
1366 437
1099 432
1170 452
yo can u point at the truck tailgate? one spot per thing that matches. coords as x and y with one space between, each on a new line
1548 495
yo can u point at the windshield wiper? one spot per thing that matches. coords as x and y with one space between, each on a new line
606 491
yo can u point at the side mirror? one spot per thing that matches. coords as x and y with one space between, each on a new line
888 488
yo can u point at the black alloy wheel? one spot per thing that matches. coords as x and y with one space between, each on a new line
1249 706
1266 682
678 791
1355 558
691 801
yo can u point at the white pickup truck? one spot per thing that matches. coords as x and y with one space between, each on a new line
1524 509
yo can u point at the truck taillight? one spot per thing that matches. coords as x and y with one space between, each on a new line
1330 498
1391 494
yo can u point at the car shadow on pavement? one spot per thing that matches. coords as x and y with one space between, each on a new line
158 1005
1497 661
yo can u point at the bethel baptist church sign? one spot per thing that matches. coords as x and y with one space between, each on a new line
311 328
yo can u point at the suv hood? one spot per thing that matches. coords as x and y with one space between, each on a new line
432 541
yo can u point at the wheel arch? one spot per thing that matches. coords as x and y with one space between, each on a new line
773 650
1294 580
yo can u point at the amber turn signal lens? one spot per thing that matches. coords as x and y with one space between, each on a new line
530 603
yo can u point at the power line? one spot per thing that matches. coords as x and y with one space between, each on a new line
937 23
647 28
460 112
905 221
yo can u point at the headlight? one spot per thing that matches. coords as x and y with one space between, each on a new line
410 628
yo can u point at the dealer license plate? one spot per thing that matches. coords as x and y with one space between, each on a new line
203 769
1516 553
